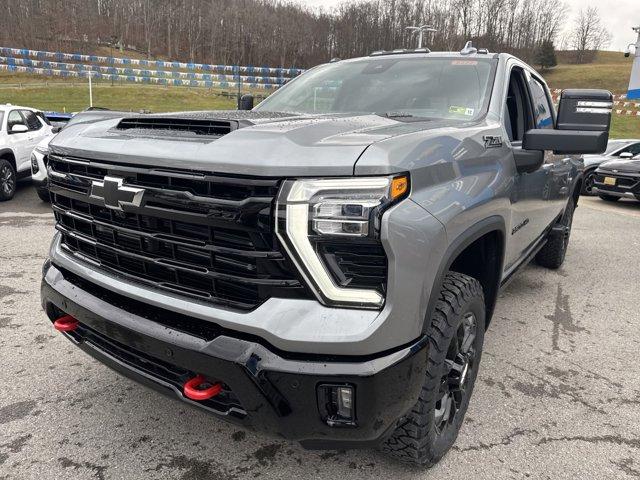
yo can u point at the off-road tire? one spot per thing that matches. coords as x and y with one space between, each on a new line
418 440
43 194
609 198
8 180
553 253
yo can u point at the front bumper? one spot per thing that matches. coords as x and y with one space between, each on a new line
265 388
627 185
40 185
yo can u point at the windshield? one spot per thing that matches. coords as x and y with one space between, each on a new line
614 145
394 86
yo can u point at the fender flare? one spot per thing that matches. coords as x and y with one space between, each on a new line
470 235
4 151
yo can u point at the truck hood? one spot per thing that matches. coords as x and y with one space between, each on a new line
259 143
622 166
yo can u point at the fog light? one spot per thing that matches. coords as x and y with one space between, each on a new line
337 405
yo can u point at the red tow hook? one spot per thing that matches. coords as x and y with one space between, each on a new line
65 324
193 389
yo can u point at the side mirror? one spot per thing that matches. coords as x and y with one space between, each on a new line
245 102
584 119
19 128
56 129
626 155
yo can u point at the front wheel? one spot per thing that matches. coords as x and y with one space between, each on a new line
7 180
456 335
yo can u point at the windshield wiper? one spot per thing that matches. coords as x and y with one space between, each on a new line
405 117
396 115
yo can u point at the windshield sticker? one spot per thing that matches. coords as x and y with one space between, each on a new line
467 112
464 62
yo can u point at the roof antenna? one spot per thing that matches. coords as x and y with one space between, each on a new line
468 49
420 30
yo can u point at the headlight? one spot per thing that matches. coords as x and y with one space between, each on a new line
34 164
315 213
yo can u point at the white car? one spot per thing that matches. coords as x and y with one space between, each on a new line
39 158
21 129
39 168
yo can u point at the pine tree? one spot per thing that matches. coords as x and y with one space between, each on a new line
546 55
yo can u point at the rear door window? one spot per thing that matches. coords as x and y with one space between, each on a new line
32 120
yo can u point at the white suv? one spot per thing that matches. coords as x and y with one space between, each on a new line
21 129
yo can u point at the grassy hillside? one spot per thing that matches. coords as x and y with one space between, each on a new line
127 97
610 70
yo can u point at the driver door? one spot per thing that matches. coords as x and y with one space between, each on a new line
18 141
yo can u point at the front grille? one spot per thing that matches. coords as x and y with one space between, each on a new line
196 234
624 183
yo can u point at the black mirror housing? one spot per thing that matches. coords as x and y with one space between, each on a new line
588 110
568 142
582 126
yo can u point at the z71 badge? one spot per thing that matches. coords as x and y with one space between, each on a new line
492 141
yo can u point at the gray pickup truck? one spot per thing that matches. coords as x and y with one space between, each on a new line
322 266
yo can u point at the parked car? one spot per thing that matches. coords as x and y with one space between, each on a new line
39 159
324 266
618 179
616 148
58 119
21 129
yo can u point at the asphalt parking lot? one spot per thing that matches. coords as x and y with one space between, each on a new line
558 395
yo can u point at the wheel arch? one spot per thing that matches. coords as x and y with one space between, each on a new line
8 154
478 252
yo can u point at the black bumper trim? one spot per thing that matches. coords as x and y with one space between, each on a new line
274 394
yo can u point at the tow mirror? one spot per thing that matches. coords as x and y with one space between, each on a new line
19 128
584 119
245 102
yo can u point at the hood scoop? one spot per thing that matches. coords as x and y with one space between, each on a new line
187 127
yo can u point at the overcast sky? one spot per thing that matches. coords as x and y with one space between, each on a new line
618 15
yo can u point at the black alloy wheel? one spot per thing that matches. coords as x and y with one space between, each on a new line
459 364
7 180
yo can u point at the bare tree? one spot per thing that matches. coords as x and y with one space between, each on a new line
588 35
280 32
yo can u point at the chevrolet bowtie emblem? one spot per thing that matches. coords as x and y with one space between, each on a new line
114 194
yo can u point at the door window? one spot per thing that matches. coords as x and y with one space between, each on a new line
32 120
14 118
541 105
518 117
